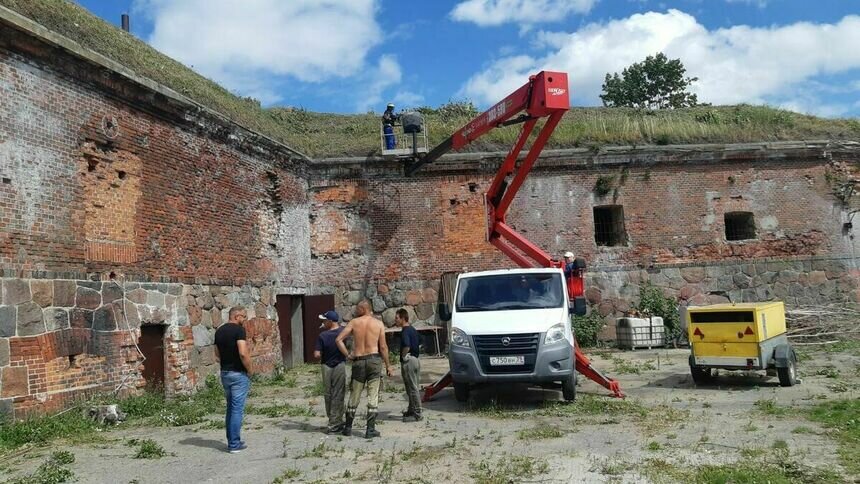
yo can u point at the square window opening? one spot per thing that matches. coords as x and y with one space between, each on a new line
740 226
609 226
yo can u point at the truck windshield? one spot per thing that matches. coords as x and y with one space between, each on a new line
510 291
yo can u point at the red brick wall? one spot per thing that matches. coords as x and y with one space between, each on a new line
93 184
674 213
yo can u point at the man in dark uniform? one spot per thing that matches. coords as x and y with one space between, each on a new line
333 371
234 355
388 120
410 366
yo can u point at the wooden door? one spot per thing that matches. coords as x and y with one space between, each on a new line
151 344
285 316
312 307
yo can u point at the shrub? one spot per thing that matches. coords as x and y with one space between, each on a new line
586 328
653 301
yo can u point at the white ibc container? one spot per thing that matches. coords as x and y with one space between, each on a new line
632 333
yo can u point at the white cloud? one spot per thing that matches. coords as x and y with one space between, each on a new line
254 41
386 74
757 3
734 65
497 12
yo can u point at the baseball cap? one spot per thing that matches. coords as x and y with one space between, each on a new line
330 316
568 255
390 105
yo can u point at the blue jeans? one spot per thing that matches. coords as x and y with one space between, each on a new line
390 140
236 386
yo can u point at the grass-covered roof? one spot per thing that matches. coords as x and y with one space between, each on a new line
322 135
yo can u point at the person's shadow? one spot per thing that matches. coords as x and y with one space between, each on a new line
205 443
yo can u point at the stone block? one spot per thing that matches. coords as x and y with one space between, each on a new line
87 298
352 297
688 291
56 318
741 280
749 269
137 296
261 310
111 291
378 304
370 291
30 319
195 315
267 295
174 290
425 310
8 321
398 297
104 319
94 285
430 295
215 317
206 319
42 292
222 302
81 318
155 299
207 355
693 275
202 335
413 298
388 317
64 293
382 289
817 278
6 409
206 301
131 314
4 352
14 382
16 291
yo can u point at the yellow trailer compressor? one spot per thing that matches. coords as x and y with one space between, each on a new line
742 336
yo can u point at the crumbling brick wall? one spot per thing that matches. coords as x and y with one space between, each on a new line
122 205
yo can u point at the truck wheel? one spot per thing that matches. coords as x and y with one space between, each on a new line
787 375
701 376
568 387
461 392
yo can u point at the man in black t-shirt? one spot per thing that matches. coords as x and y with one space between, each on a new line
410 366
333 371
234 355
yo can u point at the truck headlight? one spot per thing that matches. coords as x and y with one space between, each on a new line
459 338
554 334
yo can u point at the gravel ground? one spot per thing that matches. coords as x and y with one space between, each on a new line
516 432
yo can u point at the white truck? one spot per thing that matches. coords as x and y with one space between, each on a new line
511 326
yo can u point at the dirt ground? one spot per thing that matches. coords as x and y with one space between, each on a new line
510 434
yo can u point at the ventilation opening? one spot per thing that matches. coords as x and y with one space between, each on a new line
740 226
7 181
120 174
73 361
609 226
473 187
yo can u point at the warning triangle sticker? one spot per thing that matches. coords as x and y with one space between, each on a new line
748 331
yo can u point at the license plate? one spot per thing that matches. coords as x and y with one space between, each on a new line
507 360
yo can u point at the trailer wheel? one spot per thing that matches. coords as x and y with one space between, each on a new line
787 375
461 392
701 376
568 387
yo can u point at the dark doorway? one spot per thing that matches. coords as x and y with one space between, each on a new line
313 307
285 316
151 344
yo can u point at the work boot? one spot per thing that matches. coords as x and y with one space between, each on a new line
336 429
371 431
347 426
408 413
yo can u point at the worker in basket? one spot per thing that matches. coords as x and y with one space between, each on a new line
388 120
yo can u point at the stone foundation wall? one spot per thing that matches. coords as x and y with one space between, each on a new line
62 340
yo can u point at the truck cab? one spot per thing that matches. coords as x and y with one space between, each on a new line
511 326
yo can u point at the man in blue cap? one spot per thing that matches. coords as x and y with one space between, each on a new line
388 120
333 370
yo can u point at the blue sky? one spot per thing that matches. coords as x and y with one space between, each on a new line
349 56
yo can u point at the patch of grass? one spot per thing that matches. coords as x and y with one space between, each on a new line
779 444
315 389
508 469
750 427
752 452
284 409
654 446
539 432
612 467
149 449
594 405
802 430
828 371
52 471
770 407
281 377
40 430
287 476
851 346
781 469
842 419
320 450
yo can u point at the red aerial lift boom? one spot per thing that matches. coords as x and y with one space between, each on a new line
546 95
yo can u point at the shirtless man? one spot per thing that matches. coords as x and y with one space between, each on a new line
369 346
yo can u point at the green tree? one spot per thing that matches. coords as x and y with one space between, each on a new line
655 83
